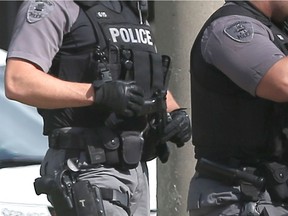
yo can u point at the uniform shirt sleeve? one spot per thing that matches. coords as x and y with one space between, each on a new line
38 41
245 59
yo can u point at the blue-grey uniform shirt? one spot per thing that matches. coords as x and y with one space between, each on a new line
245 61
38 39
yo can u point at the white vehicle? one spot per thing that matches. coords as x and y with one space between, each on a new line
22 147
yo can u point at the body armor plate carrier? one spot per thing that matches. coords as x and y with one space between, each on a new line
255 125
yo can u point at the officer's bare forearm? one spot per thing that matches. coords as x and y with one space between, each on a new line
171 102
25 83
274 85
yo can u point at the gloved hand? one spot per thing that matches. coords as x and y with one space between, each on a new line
122 97
178 130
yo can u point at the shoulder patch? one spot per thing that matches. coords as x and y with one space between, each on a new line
39 9
241 31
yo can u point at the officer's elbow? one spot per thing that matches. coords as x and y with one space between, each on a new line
11 91
282 94
274 85
12 82
276 93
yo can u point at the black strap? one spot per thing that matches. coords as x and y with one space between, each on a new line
86 4
101 143
254 12
249 10
116 197
73 138
101 41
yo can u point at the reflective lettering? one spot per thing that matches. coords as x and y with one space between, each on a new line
137 34
130 35
82 202
142 37
149 38
114 34
124 35
133 39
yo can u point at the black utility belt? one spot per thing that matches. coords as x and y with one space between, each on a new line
122 149
270 176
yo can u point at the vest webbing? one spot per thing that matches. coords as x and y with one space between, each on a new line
78 60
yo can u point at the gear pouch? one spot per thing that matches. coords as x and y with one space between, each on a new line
276 176
131 149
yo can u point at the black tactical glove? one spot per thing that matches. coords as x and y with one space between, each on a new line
178 130
122 97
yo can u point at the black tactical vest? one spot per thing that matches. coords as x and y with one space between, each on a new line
105 44
227 121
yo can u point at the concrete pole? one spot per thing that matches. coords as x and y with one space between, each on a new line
176 26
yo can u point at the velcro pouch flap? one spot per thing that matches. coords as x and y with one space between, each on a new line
132 146
276 176
278 172
110 139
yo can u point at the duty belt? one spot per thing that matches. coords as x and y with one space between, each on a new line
103 146
251 185
91 140
210 169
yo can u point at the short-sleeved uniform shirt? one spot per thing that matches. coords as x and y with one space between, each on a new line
245 61
39 30
40 27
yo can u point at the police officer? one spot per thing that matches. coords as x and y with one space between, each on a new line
239 111
92 70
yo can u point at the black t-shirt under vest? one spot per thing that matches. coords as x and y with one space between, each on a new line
227 121
104 40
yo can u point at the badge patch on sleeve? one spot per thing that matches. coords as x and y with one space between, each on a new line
39 9
241 31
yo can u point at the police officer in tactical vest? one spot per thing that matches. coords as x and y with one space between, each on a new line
239 72
92 70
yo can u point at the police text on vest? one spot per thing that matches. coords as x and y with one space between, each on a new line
129 35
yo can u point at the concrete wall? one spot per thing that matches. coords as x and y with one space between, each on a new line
176 26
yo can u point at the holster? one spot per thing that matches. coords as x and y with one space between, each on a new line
73 198
59 191
88 200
